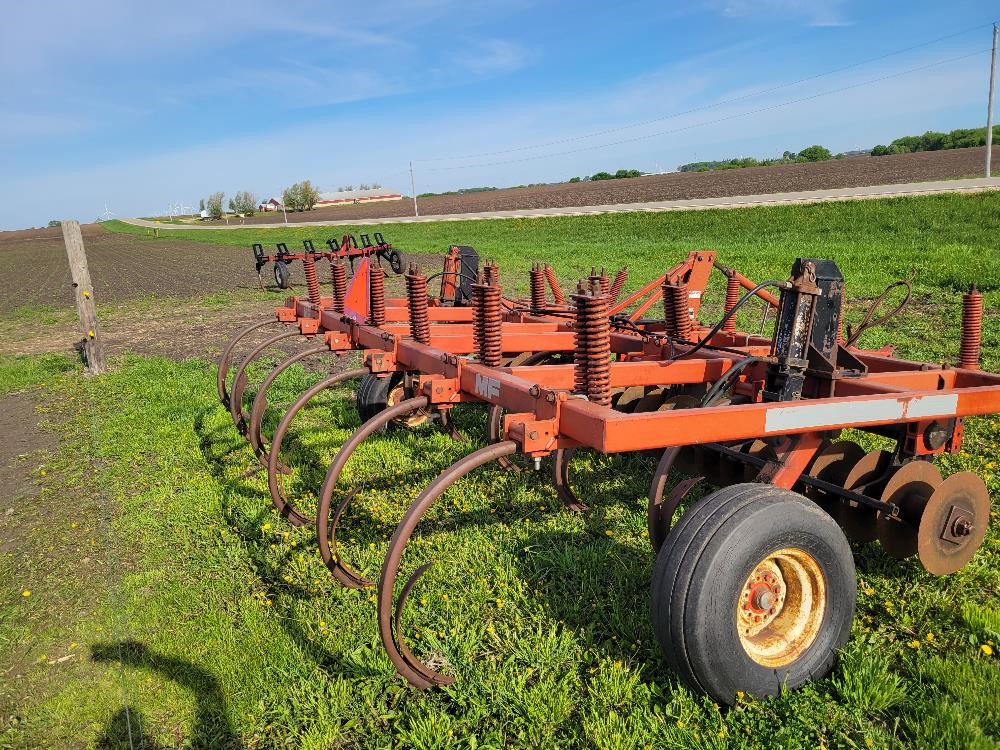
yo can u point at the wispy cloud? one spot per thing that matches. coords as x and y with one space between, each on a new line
493 56
811 12
28 126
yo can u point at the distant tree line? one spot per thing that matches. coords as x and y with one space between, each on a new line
934 141
812 153
621 174
301 196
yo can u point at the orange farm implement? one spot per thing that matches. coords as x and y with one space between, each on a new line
347 247
754 586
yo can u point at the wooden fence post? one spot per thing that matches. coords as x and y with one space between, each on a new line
93 348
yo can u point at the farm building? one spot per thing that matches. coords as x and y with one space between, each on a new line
271 204
357 196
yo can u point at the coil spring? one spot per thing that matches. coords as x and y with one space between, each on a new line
618 284
376 296
491 338
416 301
338 279
972 329
675 307
732 297
491 273
312 280
537 287
557 295
592 354
604 284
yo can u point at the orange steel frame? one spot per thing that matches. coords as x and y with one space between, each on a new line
542 415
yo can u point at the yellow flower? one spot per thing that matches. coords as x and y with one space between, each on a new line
609 532
869 742
26 593
986 649
266 527
929 637
739 695
914 643
499 603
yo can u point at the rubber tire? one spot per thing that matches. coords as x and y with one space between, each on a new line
373 394
396 261
281 274
700 572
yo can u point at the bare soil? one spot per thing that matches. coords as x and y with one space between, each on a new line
35 271
861 171
175 280
22 442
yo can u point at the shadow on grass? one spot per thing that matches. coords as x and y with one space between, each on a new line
211 727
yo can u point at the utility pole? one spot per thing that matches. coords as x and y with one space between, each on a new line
93 348
413 189
989 111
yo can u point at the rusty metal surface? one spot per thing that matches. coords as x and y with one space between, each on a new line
326 525
240 379
226 359
406 664
259 406
275 481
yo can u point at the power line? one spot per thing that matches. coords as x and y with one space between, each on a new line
714 105
716 120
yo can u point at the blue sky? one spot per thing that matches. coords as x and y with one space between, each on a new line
139 106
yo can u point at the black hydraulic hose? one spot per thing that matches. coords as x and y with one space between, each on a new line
718 326
727 379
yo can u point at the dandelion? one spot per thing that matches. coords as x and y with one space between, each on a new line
739 695
929 637
499 603
869 741
609 532
266 527
914 644
986 649
26 593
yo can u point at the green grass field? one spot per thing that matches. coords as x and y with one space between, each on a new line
219 626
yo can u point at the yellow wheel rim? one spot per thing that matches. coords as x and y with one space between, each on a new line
780 608
414 419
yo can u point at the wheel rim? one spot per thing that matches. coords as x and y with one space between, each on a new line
781 606
415 419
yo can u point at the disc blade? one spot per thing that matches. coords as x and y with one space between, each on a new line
953 524
858 521
910 488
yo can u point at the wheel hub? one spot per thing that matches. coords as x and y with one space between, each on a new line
780 607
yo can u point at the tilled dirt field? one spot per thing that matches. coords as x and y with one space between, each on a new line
36 272
836 173
126 267
36 299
